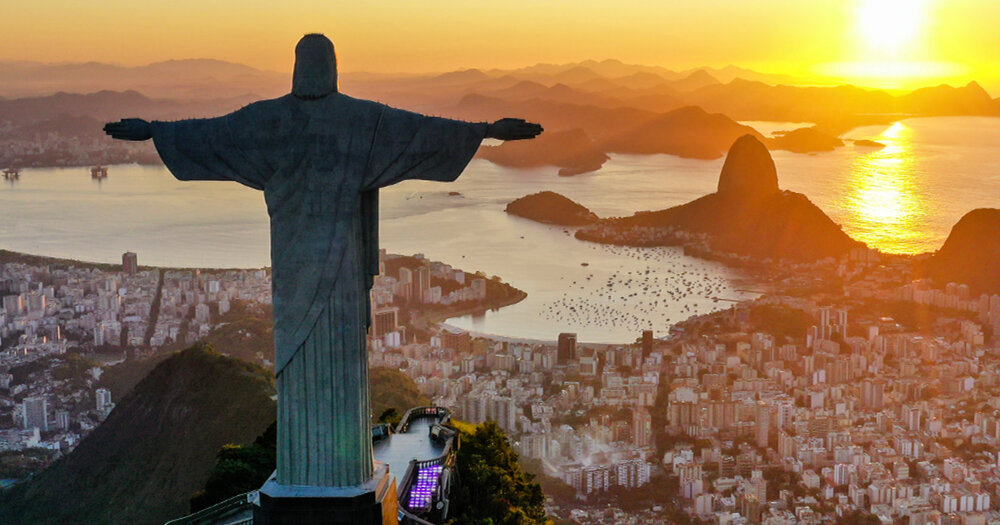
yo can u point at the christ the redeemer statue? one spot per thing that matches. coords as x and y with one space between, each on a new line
320 157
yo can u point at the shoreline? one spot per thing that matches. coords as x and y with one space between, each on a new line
533 341
424 322
11 256
834 128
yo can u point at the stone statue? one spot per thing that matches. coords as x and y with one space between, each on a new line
320 157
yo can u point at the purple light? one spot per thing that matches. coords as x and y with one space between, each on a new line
423 490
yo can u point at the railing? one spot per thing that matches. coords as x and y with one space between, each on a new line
380 432
440 466
429 474
219 512
442 414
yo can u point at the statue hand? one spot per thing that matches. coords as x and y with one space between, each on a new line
129 129
513 129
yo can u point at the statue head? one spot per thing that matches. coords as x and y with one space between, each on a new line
315 73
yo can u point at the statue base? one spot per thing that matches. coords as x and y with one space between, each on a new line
373 503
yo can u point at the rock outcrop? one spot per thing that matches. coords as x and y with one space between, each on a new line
971 254
551 208
749 170
749 215
804 140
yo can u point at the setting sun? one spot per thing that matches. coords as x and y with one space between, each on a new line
889 26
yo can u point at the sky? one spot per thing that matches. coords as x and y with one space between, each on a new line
882 43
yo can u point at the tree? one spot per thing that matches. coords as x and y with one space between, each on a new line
492 488
390 416
859 517
239 469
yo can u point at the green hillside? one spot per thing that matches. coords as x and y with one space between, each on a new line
155 449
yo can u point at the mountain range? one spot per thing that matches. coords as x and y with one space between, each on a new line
175 79
618 107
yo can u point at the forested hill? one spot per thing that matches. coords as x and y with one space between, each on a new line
155 449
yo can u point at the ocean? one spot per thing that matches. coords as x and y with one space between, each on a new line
903 198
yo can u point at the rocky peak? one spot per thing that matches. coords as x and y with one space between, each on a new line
749 170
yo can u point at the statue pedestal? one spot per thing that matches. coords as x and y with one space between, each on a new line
373 503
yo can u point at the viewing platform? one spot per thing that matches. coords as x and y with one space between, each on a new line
420 453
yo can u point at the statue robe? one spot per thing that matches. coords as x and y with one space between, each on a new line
320 164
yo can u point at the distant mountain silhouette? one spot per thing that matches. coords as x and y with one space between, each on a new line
571 150
527 90
551 208
837 108
597 122
971 254
464 76
971 99
108 105
731 72
625 108
687 132
696 80
156 448
642 80
176 79
749 214
576 74
81 117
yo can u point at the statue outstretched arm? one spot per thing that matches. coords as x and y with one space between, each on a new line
197 149
129 129
513 129
408 145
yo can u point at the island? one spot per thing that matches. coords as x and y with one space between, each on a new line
551 208
804 140
865 143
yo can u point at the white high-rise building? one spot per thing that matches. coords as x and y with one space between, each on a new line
103 396
642 428
202 313
35 413
596 478
632 473
62 419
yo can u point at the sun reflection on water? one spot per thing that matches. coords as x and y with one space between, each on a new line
883 199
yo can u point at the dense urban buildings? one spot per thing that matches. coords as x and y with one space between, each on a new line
803 406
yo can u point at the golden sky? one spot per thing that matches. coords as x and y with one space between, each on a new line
890 43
